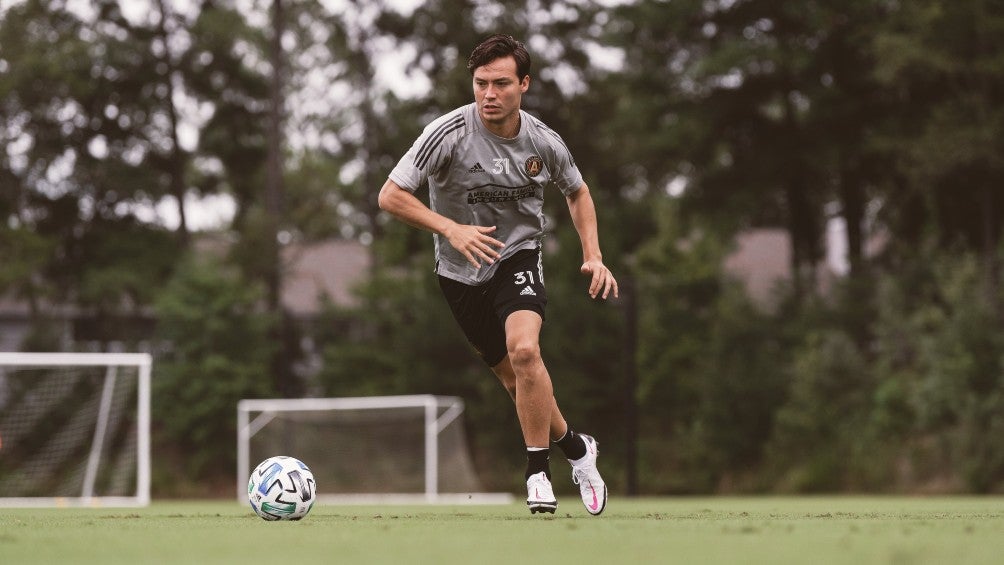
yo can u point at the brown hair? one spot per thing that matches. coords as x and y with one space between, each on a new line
496 47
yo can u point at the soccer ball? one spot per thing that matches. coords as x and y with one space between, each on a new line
282 488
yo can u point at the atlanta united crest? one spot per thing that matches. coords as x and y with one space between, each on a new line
533 165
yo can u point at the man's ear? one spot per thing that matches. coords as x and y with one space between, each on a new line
524 84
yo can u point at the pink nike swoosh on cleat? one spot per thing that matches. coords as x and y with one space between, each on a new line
596 503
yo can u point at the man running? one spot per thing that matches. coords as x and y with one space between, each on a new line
487 165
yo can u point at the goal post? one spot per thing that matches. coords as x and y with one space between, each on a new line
74 429
362 450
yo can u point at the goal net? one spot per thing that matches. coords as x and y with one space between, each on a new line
381 449
74 429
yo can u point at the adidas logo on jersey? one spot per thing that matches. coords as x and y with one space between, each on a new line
528 292
477 168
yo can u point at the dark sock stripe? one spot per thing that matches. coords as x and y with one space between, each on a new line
537 461
572 445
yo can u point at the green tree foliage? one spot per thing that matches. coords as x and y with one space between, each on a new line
941 352
708 361
819 440
943 62
218 354
81 118
357 341
905 412
223 69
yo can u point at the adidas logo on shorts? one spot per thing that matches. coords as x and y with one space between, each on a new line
528 292
477 168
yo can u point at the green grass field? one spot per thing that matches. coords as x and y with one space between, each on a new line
813 530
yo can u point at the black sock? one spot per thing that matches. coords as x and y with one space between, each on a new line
573 445
536 461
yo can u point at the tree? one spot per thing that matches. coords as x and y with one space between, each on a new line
217 334
942 59
84 129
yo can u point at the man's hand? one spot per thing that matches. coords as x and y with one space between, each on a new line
601 278
474 242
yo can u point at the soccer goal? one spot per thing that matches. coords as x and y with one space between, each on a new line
74 429
365 450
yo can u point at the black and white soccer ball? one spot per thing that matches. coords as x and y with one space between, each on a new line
282 488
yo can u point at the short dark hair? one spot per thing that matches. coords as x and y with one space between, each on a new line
496 47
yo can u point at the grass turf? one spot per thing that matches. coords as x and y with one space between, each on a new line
818 530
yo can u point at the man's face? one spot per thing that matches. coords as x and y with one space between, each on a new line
498 91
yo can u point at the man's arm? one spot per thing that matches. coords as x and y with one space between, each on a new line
583 211
473 241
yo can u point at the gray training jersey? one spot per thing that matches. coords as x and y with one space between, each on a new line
478 178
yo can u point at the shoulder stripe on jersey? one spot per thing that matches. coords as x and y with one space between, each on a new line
435 138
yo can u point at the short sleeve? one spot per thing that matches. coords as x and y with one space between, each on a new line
429 153
564 173
567 177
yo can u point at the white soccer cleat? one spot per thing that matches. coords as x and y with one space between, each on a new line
539 494
585 474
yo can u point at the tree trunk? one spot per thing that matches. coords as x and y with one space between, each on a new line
627 291
990 244
282 358
802 227
852 204
177 158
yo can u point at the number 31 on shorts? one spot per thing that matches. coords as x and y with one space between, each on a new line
523 277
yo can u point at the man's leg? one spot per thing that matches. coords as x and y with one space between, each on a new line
507 377
534 393
534 398
524 376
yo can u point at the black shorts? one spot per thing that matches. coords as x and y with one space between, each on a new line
481 311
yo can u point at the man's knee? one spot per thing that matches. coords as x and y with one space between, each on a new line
523 353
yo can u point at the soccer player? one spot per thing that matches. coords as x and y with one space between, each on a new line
488 165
